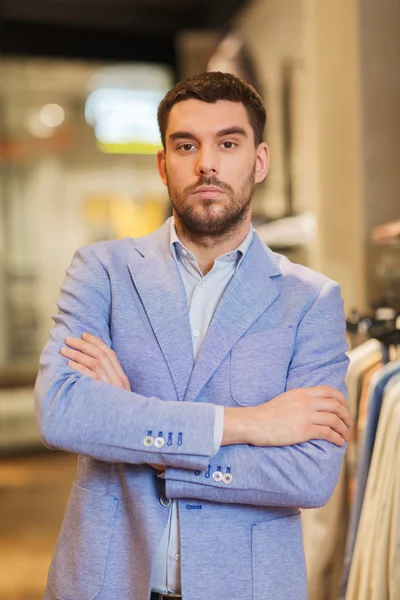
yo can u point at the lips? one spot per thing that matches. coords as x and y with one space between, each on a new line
207 188
208 192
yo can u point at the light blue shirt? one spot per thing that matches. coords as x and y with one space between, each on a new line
203 294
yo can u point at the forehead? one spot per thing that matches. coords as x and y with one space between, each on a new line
207 118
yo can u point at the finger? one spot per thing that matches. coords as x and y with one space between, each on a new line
334 407
83 346
98 343
100 354
96 359
86 361
328 434
334 422
324 391
84 370
80 357
93 339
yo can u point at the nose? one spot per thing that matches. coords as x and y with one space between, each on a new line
207 163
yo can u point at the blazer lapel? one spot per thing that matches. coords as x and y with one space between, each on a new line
156 277
248 295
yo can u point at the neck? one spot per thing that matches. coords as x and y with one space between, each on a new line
208 249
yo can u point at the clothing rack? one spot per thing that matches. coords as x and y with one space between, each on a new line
341 538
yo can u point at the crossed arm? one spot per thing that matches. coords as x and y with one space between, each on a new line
298 415
285 452
267 449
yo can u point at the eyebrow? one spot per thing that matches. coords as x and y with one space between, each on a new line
232 131
178 135
235 130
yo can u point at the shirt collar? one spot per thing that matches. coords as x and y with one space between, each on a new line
236 255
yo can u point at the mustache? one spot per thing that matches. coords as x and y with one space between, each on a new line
211 181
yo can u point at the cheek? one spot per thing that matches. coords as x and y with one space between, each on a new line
180 172
236 178
237 170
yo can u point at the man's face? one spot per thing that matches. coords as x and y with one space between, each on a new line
210 165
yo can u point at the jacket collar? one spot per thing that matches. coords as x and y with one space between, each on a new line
155 274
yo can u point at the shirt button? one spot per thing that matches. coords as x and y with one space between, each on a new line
217 476
227 478
177 557
165 501
159 442
196 333
184 252
148 441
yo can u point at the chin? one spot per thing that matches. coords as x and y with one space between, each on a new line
210 209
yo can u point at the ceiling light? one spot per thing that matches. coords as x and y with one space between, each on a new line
52 115
122 107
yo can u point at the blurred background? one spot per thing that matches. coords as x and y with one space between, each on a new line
80 81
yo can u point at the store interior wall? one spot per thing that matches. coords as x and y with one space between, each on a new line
319 40
344 60
57 195
274 35
333 52
380 90
193 49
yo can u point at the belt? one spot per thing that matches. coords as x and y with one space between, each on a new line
158 596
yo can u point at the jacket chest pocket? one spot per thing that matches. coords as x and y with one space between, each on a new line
259 365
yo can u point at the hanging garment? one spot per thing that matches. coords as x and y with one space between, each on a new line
380 380
325 528
386 557
364 404
374 573
324 534
362 359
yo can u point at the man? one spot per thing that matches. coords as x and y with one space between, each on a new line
200 379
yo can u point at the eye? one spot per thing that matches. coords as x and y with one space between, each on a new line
228 145
186 147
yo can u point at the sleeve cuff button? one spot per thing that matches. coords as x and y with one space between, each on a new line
217 476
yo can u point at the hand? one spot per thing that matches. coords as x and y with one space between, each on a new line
92 357
300 415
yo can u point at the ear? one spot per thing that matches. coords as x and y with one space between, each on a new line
161 167
262 162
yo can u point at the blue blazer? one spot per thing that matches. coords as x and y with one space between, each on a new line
278 326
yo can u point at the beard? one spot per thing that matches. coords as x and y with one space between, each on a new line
205 219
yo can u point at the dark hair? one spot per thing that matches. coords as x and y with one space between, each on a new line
211 87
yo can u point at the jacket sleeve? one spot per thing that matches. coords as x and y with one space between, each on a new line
303 475
84 416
